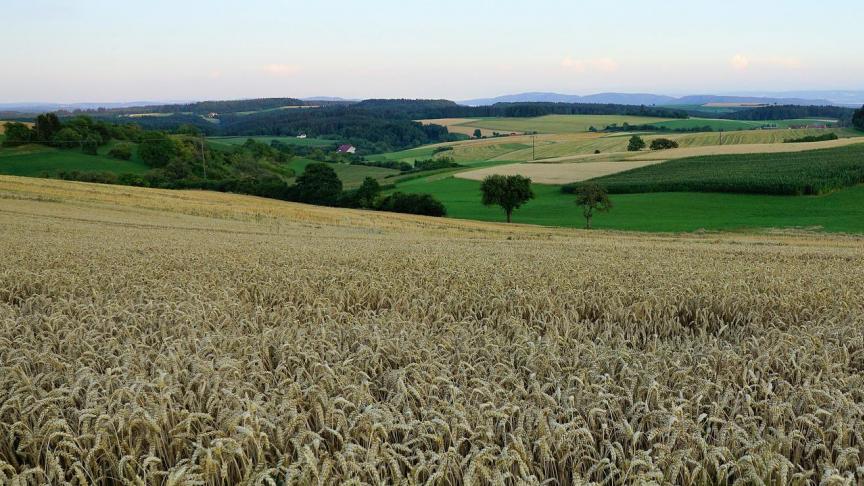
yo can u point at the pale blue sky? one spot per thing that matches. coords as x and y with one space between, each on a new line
101 50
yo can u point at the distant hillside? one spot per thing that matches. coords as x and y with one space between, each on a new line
706 99
334 99
227 106
835 97
38 107
639 99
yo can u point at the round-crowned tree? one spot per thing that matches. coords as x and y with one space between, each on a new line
318 184
509 192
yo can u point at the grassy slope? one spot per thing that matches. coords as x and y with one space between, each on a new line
351 175
558 123
518 148
842 211
306 142
420 153
813 171
35 160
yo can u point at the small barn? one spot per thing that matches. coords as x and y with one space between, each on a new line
346 149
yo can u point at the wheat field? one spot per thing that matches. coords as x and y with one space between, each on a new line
182 337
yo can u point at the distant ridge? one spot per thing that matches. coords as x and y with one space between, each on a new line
328 98
641 99
39 107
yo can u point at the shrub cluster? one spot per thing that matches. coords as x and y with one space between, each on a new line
813 138
663 144
423 204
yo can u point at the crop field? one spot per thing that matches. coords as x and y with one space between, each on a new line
184 337
38 160
618 142
557 173
741 149
305 142
498 149
474 150
810 172
566 146
731 125
755 136
552 123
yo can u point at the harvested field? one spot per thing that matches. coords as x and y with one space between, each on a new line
460 125
696 151
559 173
160 337
570 146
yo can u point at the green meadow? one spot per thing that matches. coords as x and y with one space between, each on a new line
38 160
240 140
841 211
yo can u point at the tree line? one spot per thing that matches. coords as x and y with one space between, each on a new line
183 160
79 132
789 112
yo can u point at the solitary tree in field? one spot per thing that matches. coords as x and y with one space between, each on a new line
509 192
478 133
636 144
592 197
858 119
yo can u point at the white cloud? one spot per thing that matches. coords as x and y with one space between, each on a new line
740 62
281 69
603 64
786 62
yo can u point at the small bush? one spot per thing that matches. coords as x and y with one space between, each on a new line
663 144
434 164
121 151
423 204
813 138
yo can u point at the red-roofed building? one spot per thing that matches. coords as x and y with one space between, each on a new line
346 149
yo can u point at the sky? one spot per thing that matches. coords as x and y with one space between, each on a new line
161 50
